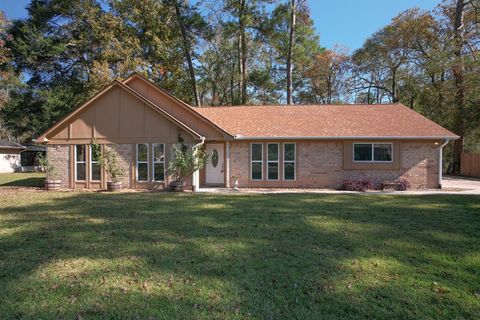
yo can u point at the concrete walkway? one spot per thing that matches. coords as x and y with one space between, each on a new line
451 185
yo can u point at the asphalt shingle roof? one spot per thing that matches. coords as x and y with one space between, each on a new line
324 121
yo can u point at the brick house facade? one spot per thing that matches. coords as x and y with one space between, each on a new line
260 146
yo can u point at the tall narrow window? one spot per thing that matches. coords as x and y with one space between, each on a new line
257 161
80 159
272 161
142 162
289 161
158 161
95 172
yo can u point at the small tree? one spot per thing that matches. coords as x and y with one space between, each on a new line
186 161
47 166
108 161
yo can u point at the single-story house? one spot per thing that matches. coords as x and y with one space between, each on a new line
298 146
10 156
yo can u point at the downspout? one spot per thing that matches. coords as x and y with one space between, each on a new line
196 174
440 163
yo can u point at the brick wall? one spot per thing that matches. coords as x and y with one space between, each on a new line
124 160
59 157
320 165
419 164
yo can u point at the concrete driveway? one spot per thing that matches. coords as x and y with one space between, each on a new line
461 184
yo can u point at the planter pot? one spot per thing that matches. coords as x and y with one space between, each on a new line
114 186
178 186
235 184
52 184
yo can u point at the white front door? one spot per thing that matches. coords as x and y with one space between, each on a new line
214 168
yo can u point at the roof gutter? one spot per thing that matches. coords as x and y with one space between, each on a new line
240 137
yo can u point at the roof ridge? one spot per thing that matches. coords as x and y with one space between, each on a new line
303 105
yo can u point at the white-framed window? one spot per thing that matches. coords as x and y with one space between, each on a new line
372 152
80 162
289 158
95 169
142 162
256 161
158 159
273 157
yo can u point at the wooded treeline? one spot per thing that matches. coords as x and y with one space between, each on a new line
230 52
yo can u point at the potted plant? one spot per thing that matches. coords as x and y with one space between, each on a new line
185 162
235 182
51 182
108 161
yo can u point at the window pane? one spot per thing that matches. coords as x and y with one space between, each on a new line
159 174
81 172
273 170
158 152
95 152
95 172
257 152
273 152
289 168
289 152
142 172
382 152
80 152
362 152
256 171
142 152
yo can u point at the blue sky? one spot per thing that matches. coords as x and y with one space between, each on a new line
345 22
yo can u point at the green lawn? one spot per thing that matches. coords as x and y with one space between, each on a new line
199 256
35 179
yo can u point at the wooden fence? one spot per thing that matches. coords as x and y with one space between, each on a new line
470 165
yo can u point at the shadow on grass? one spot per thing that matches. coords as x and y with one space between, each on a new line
300 256
26 182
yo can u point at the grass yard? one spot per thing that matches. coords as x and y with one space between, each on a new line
199 256
34 179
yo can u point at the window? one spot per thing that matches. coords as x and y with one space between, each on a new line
272 161
158 152
372 152
80 160
289 161
95 171
257 161
142 162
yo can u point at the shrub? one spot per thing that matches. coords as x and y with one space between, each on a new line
185 162
358 185
47 166
108 161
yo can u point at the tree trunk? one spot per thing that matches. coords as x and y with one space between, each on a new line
242 43
232 84
291 44
458 71
187 51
